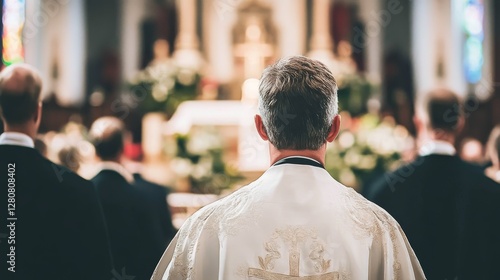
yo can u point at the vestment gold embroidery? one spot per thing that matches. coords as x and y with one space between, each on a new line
293 236
320 264
293 252
374 222
266 275
209 220
267 263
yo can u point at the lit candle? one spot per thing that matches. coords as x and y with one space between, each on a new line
250 91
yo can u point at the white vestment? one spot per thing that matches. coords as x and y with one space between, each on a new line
294 222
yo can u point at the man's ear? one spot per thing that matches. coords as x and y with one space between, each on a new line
335 129
259 124
38 114
460 124
417 122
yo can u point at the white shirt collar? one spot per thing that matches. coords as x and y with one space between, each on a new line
17 139
437 147
300 157
118 168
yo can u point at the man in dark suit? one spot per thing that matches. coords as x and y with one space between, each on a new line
447 207
53 227
137 215
158 206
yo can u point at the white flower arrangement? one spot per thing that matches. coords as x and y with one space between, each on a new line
368 147
199 157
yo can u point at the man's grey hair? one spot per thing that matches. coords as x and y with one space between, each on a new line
297 103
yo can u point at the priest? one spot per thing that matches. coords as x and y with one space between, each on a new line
295 221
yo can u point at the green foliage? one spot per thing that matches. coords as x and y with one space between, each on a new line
163 87
200 157
354 93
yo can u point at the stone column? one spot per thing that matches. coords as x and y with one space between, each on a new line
372 14
219 17
321 41
133 13
70 88
436 46
54 36
290 19
33 35
187 51
187 38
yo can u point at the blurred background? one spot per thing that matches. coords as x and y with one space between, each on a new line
183 76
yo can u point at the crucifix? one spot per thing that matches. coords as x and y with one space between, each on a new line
254 38
254 54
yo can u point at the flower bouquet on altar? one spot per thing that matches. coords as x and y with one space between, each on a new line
199 157
366 148
163 85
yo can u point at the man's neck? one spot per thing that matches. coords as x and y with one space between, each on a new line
318 155
24 129
113 160
428 135
117 167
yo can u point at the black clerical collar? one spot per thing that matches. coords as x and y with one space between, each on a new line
299 160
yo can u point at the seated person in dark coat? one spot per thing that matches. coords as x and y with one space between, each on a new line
448 208
57 229
134 214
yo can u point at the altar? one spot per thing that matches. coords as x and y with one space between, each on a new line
199 138
209 141
233 121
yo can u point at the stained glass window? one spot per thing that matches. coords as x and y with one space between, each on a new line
473 25
13 22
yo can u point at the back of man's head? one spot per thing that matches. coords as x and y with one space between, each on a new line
107 136
443 111
297 103
20 88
